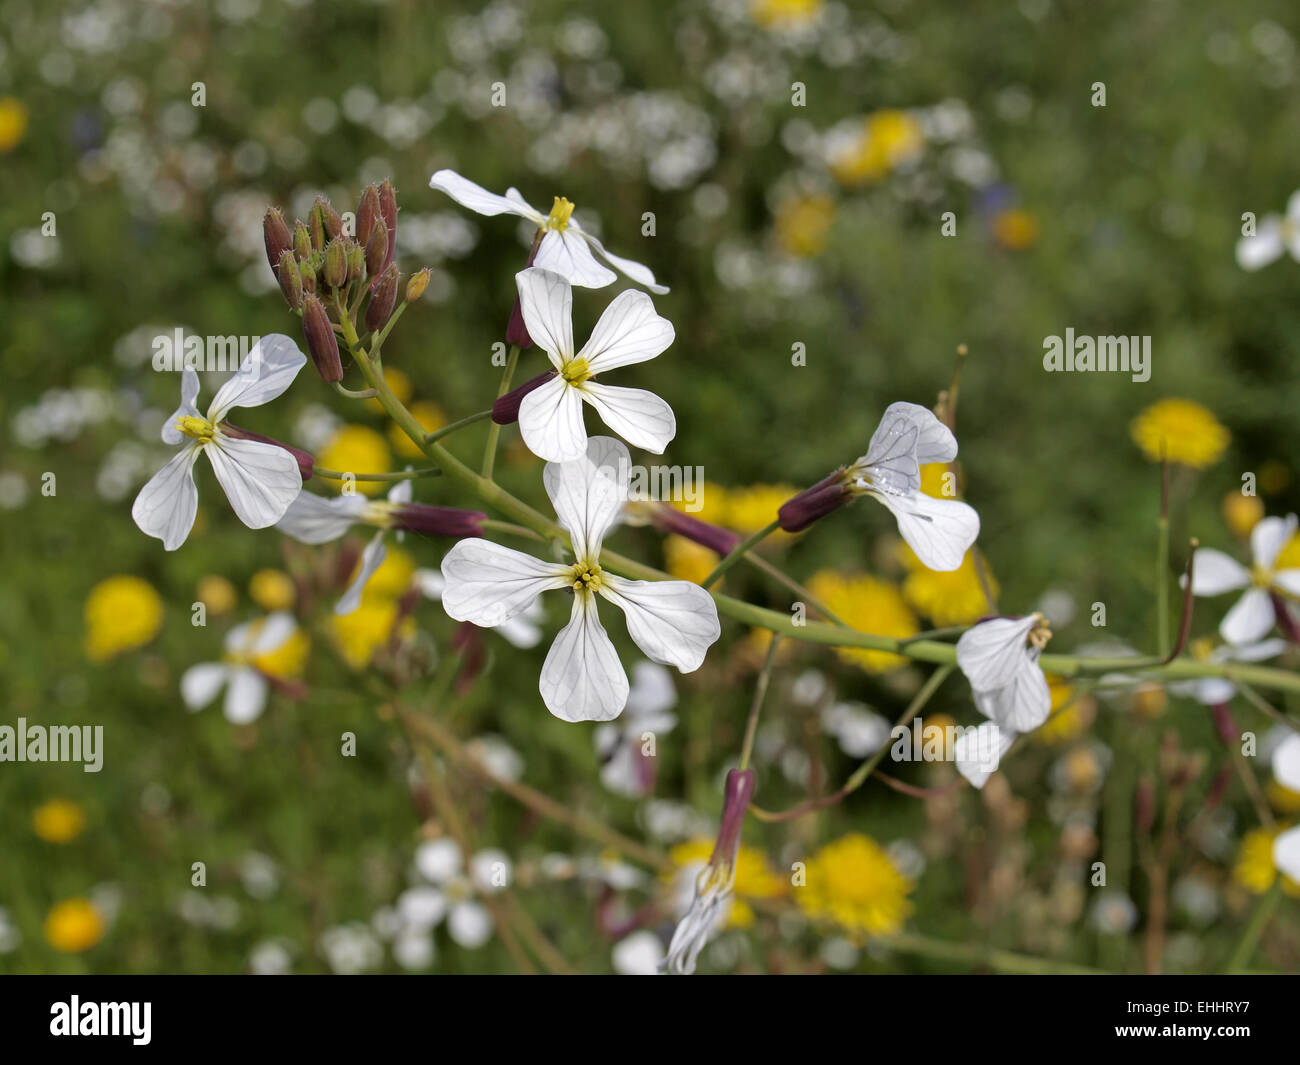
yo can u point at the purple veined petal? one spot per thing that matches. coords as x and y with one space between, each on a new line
488 584
1023 704
546 303
479 200
189 393
673 622
934 440
589 492
550 421
939 531
166 505
978 751
567 253
990 652
582 678
628 331
639 417
265 374
260 480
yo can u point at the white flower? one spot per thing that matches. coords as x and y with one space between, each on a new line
709 888
246 686
859 730
629 331
909 436
565 246
1214 573
1286 762
1272 238
1286 853
521 630
624 769
260 479
452 892
1215 691
638 954
1000 659
978 751
673 622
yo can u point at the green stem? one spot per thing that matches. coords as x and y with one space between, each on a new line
1162 565
403 475
494 432
760 690
1002 960
1255 927
738 552
447 430
760 563
365 393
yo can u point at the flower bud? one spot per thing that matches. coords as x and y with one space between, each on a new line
812 503
516 330
388 208
335 271
308 274
506 409
377 248
290 279
275 232
668 519
367 212
416 285
301 241
330 218
316 223
356 262
322 345
383 296
306 463
438 521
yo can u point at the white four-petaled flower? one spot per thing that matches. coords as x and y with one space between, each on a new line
629 331
673 622
260 479
1253 615
1274 237
246 685
565 247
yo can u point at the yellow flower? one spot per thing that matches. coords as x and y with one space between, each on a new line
1283 799
272 589
750 509
955 598
853 882
771 13
393 577
1241 513
1255 870
58 821
1289 556
1273 476
1181 431
870 605
803 223
13 123
1070 715
357 449
688 561
939 735
431 419
368 628
713 504
754 879
399 383
74 925
888 138
1149 700
1015 229
217 594
289 659
122 613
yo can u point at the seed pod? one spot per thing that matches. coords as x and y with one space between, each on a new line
301 241
812 503
377 248
668 519
275 232
335 272
416 285
367 212
322 345
438 521
290 279
356 262
388 208
383 297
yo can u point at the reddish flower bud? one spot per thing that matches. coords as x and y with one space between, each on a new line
377 248
356 262
506 409
367 212
516 331
322 344
737 792
438 521
330 218
668 519
308 273
306 463
812 503
383 295
290 279
275 232
301 241
388 208
316 223
335 271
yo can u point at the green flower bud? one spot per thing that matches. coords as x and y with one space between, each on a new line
322 345
290 279
383 296
301 241
356 262
377 248
335 270
416 285
308 273
316 222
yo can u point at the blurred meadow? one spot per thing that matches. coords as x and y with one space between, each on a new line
784 229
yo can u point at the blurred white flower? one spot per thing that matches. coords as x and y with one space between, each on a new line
1214 573
1275 235
624 769
246 687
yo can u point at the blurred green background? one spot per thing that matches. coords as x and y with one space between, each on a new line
775 225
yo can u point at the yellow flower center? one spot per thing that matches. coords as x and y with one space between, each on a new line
198 428
576 371
1260 577
587 576
561 212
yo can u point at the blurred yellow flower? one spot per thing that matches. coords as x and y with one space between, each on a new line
74 925
888 138
1148 700
399 382
1274 476
58 821
853 882
1241 513
688 561
1181 431
289 659
1070 715
712 501
272 589
953 598
776 13
13 123
1289 556
870 605
750 509
217 594
803 223
1254 869
1282 798
1015 229
431 419
357 449
122 613
393 577
365 630
754 878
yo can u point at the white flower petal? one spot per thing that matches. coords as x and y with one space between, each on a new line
469 924
990 653
1267 539
1255 652
488 584
430 582
200 684
582 679
264 375
589 492
313 519
1286 852
1264 247
371 559
550 421
421 907
189 393
438 860
271 633
245 696
1214 573
939 531
520 632
261 480
1250 619
638 272
1288 580
166 505
907 431
546 302
1022 705
639 417
653 691
1213 691
567 253
491 870
673 622
978 751
629 331
1286 762
479 200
